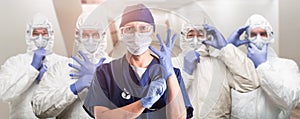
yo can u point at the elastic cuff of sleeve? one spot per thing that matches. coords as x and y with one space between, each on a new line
263 66
227 47
73 88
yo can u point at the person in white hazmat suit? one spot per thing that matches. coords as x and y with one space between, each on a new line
212 67
63 90
280 78
20 75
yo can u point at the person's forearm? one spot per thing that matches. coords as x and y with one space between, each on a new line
13 84
130 111
244 75
175 103
48 102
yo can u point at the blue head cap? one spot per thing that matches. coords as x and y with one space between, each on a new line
137 12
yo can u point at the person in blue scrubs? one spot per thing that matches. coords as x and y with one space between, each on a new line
139 84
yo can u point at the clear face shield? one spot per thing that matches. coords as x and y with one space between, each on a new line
259 35
40 36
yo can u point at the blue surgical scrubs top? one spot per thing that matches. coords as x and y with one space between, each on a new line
114 89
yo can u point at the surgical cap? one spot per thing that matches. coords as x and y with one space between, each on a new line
137 12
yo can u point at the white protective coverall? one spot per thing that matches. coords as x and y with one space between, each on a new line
18 77
54 97
218 72
279 92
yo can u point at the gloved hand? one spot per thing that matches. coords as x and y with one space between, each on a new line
165 53
43 69
235 37
219 41
156 90
38 57
85 72
189 61
256 55
83 82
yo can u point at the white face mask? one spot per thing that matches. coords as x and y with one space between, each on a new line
137 43
40 41
195 42
90 45
259 42
258 39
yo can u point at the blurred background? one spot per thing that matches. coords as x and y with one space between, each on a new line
226 15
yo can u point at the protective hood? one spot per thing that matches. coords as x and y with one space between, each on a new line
196 44
94 49
39 21
258 21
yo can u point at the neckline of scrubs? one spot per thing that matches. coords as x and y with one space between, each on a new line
144 80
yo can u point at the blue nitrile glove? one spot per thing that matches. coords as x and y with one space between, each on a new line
219 41
235 37
165 53
38 57
256 55
85 72
189 61
43 69
156 90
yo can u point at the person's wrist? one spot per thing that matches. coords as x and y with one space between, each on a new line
145 102
259 63
35 66
224 45
73 89
170 73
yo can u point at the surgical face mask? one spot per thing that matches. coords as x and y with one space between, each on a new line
90 44
258 41
137 43
195 42
192 37
40 41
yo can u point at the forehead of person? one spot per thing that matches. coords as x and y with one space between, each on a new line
258 31
195 33
38 31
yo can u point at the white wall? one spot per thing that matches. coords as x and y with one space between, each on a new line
228 15
289 29
15 15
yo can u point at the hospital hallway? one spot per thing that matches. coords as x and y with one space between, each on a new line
225 15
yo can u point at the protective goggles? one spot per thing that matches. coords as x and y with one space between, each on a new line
259 31
137 28
93 34
37 32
